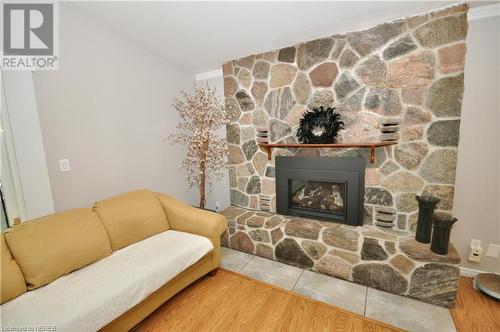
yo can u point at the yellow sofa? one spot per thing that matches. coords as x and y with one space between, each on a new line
46 255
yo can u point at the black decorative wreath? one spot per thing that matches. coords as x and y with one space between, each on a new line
320 126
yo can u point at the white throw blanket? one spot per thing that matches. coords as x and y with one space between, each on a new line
92 297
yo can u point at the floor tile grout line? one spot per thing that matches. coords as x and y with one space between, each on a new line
296 281
244 266
366 301
282 264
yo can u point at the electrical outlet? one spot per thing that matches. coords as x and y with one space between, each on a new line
475 255
475 243
475 251
493 250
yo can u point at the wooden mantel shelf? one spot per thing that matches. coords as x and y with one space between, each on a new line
370 145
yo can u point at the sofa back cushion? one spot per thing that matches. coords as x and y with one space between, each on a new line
52 246
131 217
11 278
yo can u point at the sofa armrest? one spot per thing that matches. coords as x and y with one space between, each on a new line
185 218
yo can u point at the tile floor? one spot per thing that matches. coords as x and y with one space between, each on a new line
393 309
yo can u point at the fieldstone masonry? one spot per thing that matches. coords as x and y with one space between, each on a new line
401 80
379 257
398 81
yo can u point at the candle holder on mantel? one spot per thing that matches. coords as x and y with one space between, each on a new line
426 206
441 234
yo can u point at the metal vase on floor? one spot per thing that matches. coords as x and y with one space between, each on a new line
441 233
426 206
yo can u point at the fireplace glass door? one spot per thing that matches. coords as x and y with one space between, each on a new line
320 196
321 187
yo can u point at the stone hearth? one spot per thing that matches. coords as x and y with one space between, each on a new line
386 259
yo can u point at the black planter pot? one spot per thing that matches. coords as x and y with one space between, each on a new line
426 206
441 233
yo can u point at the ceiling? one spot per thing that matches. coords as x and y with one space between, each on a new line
200 36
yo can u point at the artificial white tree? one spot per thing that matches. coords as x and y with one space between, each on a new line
202 114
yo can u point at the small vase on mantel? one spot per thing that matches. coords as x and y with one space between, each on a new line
426 206
441 234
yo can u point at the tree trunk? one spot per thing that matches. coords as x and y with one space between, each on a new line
203 166
202 185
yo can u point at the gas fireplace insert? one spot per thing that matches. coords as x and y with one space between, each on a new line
329 188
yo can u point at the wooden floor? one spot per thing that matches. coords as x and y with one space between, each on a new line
475 311
232 302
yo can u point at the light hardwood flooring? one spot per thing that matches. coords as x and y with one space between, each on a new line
232 302
474 310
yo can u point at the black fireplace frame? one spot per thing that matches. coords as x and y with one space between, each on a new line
348 170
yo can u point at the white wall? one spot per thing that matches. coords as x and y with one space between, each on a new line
477 187
219 192
107 109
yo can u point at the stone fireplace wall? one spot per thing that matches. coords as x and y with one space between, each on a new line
398 81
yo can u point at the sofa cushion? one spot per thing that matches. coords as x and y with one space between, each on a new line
51 246
11 277
92 297
131 217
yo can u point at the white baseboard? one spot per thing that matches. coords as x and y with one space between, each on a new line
468 272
